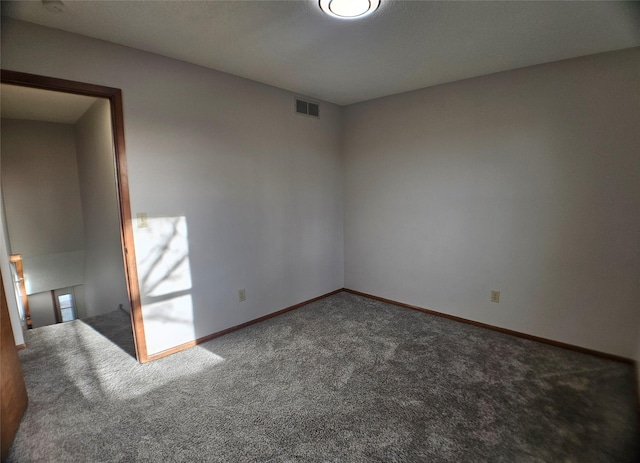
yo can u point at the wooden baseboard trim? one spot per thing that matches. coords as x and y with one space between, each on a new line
21 346
518 334
209 337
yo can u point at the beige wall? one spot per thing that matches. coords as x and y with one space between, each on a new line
527 182
104 280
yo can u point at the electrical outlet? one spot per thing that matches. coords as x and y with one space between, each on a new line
142 220
495 296
242 295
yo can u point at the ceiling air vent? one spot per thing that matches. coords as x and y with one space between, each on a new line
307 108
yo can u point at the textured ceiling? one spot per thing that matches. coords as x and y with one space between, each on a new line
404 46
42 105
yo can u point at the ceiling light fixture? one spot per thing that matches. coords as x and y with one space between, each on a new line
349 9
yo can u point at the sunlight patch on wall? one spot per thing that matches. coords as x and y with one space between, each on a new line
168 323
163 256
162 247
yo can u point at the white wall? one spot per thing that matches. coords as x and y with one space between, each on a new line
637 358
42 309
527 182
81 306
104 280
40 187
41 194
9 289
255 190
52 271
637 365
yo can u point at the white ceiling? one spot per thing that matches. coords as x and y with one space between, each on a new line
42 105
404 46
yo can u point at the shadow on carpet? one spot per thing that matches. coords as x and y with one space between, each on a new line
116 327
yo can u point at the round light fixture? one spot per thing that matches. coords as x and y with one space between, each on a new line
349 9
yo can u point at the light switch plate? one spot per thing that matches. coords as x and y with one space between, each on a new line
142 220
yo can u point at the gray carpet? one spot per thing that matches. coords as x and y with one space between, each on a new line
345 379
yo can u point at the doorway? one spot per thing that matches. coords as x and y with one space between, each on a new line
68 301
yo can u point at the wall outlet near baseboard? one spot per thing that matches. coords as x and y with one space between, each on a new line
242 295
495 296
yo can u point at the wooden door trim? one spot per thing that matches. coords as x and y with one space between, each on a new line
56 311
17 259
114 95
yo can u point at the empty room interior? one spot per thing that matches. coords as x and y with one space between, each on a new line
335 230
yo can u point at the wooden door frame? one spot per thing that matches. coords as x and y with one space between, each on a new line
17 260
114 95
